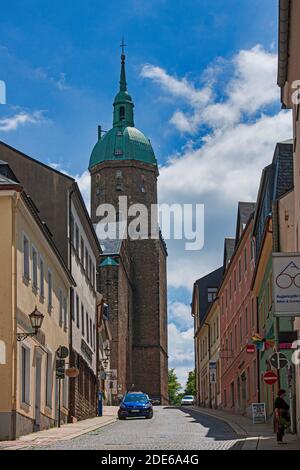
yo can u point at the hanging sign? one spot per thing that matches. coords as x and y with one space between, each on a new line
286 284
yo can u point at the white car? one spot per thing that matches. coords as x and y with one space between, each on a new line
188 400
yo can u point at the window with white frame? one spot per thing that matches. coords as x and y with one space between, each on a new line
211 293
49 379
42 278
26 257
25 374
50 290
34 267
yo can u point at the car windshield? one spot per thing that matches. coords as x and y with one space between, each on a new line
188 397
136 398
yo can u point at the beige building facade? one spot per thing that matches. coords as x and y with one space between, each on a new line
32 276
289 82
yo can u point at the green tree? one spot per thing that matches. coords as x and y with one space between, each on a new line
190 388
174 388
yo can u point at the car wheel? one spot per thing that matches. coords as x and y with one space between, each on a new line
149 416
122 417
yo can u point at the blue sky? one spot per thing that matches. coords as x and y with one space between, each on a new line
203 78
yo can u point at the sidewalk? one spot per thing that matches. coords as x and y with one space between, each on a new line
255 436
64 433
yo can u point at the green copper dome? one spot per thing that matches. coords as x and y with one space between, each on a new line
123 141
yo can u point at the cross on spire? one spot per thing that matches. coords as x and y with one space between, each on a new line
123 45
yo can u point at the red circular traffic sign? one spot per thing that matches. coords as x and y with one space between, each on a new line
270 377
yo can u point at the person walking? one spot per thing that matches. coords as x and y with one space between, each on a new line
281 415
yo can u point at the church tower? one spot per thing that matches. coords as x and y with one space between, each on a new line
132 273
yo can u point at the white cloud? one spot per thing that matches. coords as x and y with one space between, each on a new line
181 351
180 314
84 183
13 122
251 87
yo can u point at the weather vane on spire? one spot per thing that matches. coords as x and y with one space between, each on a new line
123 45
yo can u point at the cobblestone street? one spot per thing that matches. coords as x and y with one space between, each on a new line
170 428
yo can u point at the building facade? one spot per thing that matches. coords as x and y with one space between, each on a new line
206 313
276 188
132 273
238 319
33 276
288 80
60 205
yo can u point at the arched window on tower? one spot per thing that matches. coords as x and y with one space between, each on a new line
122 113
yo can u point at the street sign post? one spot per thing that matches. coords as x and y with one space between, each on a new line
270 377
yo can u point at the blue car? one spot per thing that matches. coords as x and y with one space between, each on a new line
135 404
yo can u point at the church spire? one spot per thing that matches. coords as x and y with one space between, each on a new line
123 84
123 104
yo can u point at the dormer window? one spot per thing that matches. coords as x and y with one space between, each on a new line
122 113
118 152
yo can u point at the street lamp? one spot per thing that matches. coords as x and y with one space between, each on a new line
107 351
36 319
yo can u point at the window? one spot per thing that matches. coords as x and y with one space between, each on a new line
231 343
42 278
217 328
241 330
26 269
77 239
240 270
252 248
82 251
90 268
77 311
87 328
34 268
211 293
93 276
235 337
252 314
65 313
118 174
82 320
246 321
94 336
50 287
49 380
122 113
72 230
25 374
91 333
245 259
230 289
60 307
226 300
86 261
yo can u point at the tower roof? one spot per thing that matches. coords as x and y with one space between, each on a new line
123 141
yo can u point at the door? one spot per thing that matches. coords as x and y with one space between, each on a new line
37 405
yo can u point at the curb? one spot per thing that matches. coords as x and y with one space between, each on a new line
64 438
249 443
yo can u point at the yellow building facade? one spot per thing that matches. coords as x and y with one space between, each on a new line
32 276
